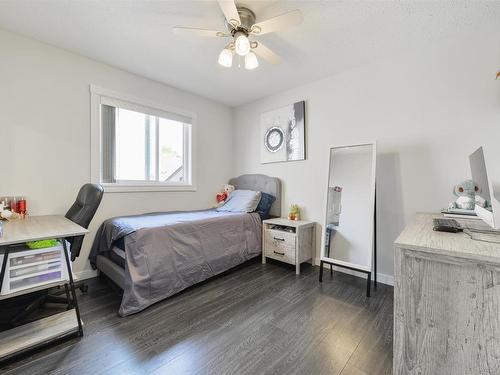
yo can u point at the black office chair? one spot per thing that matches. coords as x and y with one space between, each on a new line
81 212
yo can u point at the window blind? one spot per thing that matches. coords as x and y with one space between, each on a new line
108 128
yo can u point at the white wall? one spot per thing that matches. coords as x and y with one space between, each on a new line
45 133
428 108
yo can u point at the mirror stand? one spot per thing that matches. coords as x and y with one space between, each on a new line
368 273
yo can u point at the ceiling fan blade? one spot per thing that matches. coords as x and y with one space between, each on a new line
228 7
262 51
282 22
199 32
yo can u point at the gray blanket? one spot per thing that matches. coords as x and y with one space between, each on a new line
168 252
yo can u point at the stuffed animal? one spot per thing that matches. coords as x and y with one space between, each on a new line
9 215
467 191
224 195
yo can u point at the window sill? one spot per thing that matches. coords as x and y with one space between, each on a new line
124 188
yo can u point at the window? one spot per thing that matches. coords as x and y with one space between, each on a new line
141 148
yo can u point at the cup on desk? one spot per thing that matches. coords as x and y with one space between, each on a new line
21 207
13 204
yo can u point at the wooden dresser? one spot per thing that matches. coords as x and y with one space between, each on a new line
446 302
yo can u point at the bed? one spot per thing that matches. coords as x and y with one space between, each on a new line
155 255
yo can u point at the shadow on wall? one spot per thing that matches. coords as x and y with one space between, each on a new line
390 209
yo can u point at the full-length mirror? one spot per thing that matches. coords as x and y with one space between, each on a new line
349 224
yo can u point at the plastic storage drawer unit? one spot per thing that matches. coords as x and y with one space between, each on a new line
28 269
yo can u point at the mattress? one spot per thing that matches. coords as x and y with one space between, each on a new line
165 253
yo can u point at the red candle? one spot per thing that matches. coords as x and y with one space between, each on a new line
13 204
21 206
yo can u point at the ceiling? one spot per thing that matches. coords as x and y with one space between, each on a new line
335 36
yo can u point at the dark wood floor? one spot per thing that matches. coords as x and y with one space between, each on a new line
257 319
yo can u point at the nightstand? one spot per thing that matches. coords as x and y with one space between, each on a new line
288 241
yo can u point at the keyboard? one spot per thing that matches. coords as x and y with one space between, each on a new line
446 225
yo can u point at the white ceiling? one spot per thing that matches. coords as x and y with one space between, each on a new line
336 35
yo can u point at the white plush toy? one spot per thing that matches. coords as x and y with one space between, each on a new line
468 196
223 196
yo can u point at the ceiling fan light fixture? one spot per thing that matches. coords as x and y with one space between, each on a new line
226 58
251 61
242 44
240 24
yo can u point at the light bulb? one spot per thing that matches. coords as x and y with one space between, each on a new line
242 45
226 58
251 61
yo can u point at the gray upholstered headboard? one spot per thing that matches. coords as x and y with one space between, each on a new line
261 182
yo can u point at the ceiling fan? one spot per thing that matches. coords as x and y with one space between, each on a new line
242 28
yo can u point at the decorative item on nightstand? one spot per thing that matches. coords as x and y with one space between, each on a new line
289 241
294 213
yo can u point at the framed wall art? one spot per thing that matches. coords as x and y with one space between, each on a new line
283 134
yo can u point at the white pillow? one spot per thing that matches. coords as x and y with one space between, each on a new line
241 201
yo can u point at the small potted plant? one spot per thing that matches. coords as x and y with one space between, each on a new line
294 213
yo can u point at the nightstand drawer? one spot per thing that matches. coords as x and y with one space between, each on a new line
279 236
280 245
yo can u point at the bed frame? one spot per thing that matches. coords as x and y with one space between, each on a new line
257 182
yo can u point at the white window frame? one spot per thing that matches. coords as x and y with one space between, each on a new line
100 96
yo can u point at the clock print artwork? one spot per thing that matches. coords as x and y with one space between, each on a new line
283 134
274 139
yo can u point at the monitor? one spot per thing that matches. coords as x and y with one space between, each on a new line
479 170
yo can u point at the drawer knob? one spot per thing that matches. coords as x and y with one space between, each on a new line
279 239
278 253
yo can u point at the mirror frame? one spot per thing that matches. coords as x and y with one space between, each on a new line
337 262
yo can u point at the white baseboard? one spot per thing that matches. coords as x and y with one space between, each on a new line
85 274
381 277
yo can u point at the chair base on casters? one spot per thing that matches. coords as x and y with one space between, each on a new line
48 298
84 288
